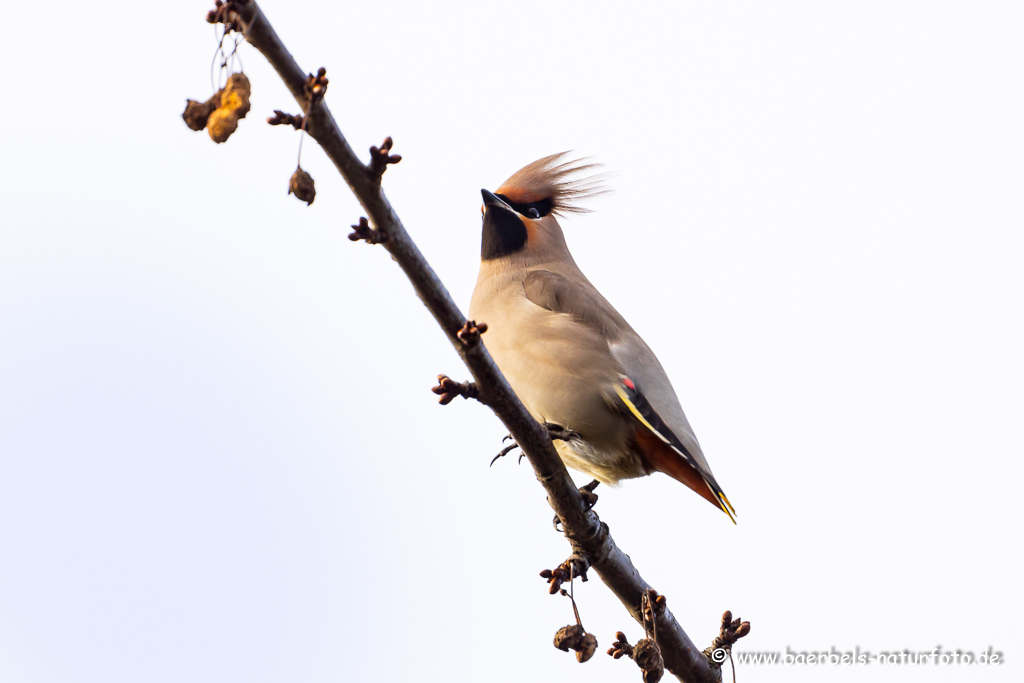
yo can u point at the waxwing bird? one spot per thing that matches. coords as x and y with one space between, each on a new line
574 361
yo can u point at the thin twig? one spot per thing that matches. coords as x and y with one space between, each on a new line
585 532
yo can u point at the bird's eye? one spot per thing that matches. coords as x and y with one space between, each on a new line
533 212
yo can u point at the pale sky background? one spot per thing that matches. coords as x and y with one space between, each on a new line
220 460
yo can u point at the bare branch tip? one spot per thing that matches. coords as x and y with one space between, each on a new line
448 389
381 158
730 631
280 118
656 603
620 647
470 333
363 231
315 87
574 566
227 12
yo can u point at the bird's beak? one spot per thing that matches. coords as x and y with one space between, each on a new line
491 199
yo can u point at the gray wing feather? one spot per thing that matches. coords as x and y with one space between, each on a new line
578 298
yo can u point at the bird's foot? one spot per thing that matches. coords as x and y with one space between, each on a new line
557 432
560 433
508 449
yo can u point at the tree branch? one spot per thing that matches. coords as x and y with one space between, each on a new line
586 533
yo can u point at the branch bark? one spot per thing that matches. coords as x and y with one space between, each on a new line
585 532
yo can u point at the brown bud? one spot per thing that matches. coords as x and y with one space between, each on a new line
545 574
620 647
301 184
743 629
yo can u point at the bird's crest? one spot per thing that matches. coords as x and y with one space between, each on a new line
557 180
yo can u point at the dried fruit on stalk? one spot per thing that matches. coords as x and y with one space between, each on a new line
648 657
301 185
587 648
197 113
234 105
573 637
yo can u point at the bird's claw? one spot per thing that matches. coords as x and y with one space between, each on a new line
560 433
506 450
557 432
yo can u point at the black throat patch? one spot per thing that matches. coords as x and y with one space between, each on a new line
504 233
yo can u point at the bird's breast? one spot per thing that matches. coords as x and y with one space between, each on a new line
565 374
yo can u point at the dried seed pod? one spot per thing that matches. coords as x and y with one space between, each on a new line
301 185
221 124
234 105
236 94
573 637
196 114
587 648
648 657
568 637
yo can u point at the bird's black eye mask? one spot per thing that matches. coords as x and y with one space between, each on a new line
531 210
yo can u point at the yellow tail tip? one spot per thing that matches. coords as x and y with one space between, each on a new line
726 506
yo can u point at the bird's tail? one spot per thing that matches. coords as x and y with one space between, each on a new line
666 453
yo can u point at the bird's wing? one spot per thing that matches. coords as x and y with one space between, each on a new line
578 299
644 390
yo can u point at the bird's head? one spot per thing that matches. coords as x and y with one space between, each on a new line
519 218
